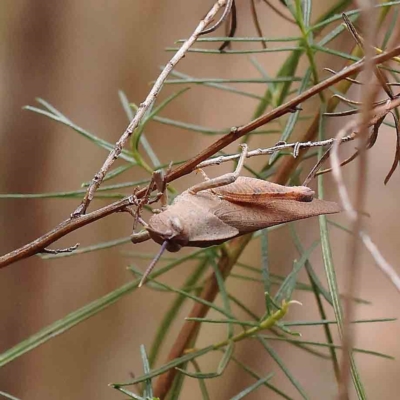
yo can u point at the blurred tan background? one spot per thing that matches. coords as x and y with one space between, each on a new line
77 55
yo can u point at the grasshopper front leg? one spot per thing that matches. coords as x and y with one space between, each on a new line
139 237
161 185
224 179
158 178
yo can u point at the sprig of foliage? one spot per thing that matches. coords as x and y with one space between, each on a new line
266 328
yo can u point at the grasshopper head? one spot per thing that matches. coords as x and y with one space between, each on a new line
167 228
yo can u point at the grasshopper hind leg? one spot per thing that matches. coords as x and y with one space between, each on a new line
223 179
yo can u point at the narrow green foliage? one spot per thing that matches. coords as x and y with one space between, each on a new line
293 117
148 389
136 139
235 80
143 140
251 388
202 383
325 322
389 32
288 285
172 364
243 39
88 249
332 281
228 351
130 394
241 52
58 117
171 315
328 345
265 273
218 86
252 373
283 367
224 294
318 291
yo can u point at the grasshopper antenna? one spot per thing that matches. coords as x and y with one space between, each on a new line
153 263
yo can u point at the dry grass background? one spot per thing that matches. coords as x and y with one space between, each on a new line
77 55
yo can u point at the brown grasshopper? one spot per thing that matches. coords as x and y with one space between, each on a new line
225 207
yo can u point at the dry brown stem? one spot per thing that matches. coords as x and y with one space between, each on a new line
369 94
145 107
77 222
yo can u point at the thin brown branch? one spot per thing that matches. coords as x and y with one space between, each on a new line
360 42
73 224
358 103
351 80
337 172
230 28
63 229
311 175
297 146
397 154
237 133
228 7
371 141
257 22
369 93
145 107
380 261
70 249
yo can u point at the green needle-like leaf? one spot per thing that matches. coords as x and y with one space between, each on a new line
283 367
286 290
148 389
252 388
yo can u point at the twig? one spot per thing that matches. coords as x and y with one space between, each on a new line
144 107
271 150
371 142
257 22
369 93
72 224
337 172
382 264
397 154
351 80
228 7
360 42
358 103
311 175
62 229
59 251
231 28
238 132
385 267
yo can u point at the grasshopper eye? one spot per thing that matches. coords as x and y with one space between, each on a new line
168 233
176 224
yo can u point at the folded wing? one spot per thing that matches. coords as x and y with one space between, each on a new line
257 191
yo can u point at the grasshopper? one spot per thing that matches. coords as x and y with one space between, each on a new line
226 207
